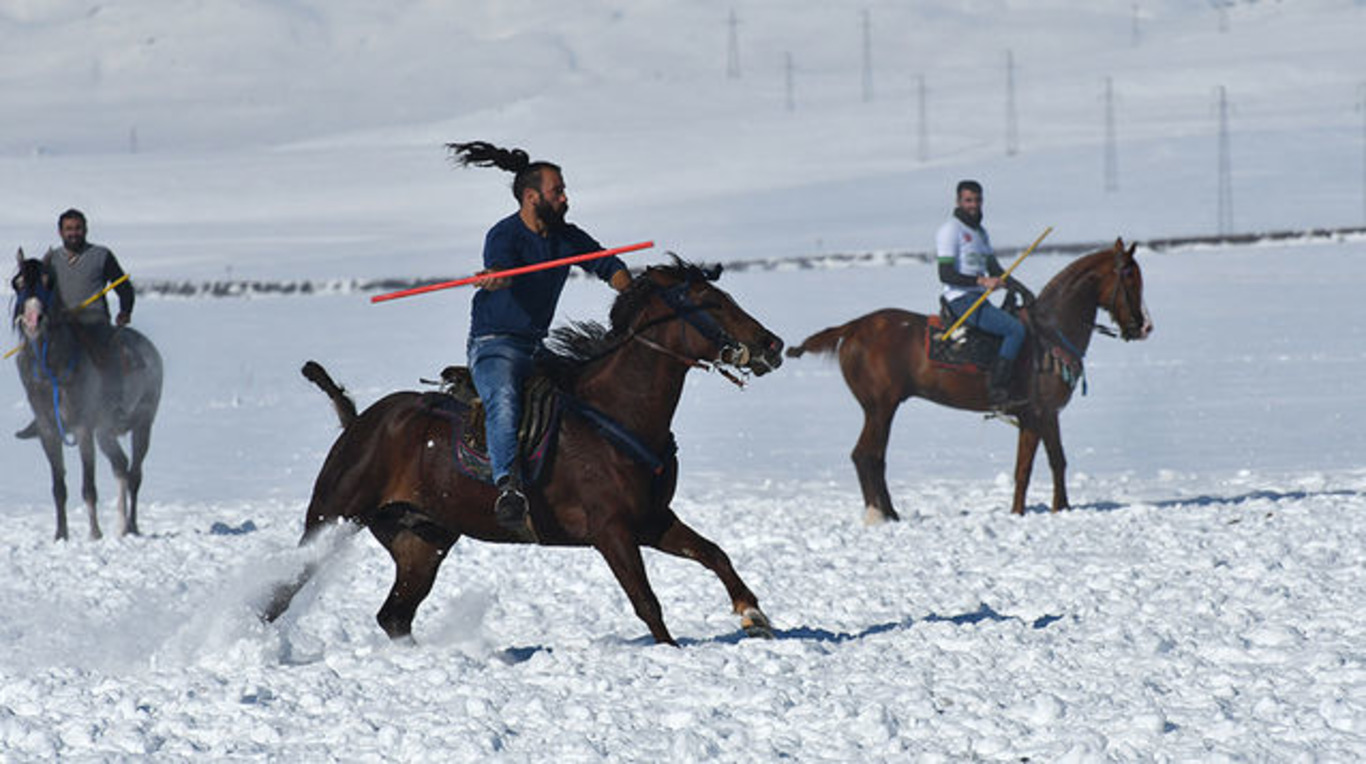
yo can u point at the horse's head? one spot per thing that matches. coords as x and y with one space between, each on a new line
1121 291
32 296
712 327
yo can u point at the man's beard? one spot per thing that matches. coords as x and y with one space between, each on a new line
549 216
972 219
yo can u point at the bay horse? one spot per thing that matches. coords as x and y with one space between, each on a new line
883 356
66 389
392 471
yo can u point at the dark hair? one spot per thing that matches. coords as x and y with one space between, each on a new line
526 173
969 185
71 214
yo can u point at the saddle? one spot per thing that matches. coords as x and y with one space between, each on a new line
459 402
969 349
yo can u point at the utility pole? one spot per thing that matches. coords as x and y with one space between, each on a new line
1111 150
922 129
1225 168
733 49
1361 107
1012 125
788 71
867 56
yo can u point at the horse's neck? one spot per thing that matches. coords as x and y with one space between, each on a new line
1069 309
637 386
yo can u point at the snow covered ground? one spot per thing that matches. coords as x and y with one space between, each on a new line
1201 602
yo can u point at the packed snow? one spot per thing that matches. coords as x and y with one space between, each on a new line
1201 601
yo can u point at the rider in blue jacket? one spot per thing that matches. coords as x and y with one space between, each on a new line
511 316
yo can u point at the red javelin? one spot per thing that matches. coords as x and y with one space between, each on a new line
514 271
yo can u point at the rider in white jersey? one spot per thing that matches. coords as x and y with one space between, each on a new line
968 268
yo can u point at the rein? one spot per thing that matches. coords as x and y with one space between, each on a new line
683 309
40 364
692 363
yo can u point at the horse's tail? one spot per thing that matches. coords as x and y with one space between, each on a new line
824 341
346 408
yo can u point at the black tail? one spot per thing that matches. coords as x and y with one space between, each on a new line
346 408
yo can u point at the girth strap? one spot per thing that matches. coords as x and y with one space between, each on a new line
624 440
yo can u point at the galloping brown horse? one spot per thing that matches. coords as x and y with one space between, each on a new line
612 472
884 360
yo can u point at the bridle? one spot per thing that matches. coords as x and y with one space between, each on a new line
1122 272
733 353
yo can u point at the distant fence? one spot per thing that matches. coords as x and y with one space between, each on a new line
262 288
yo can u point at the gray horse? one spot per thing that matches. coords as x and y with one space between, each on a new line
66 389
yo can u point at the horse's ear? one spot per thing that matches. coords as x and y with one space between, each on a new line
1132 248
20 255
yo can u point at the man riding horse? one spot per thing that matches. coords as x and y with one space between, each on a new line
79 270
511 316
968 268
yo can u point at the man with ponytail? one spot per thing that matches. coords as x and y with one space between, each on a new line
511 316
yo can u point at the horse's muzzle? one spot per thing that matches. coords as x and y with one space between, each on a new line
766 358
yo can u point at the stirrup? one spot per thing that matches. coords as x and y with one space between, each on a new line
510 508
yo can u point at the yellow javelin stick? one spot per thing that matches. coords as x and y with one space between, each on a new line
87 302
1004 276
124 278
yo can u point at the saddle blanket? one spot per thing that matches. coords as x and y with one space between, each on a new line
459 403
969 350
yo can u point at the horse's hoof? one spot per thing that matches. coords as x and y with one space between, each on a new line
755 623
875 516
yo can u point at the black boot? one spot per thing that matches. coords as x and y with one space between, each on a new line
29 432
998 388
510 508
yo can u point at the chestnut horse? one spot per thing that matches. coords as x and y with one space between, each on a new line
392 469
884 360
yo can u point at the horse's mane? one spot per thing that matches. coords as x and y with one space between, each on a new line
1078 270
573 346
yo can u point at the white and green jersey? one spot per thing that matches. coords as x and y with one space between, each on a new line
969 252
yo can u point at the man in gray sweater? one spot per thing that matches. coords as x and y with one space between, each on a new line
79 270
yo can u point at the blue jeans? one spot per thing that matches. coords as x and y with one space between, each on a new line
500 364
993 320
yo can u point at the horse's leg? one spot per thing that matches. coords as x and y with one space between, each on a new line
85 443
118 462
1057 460
142 440
682 541
619 548
870 462
52 449
418 549
1024 463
